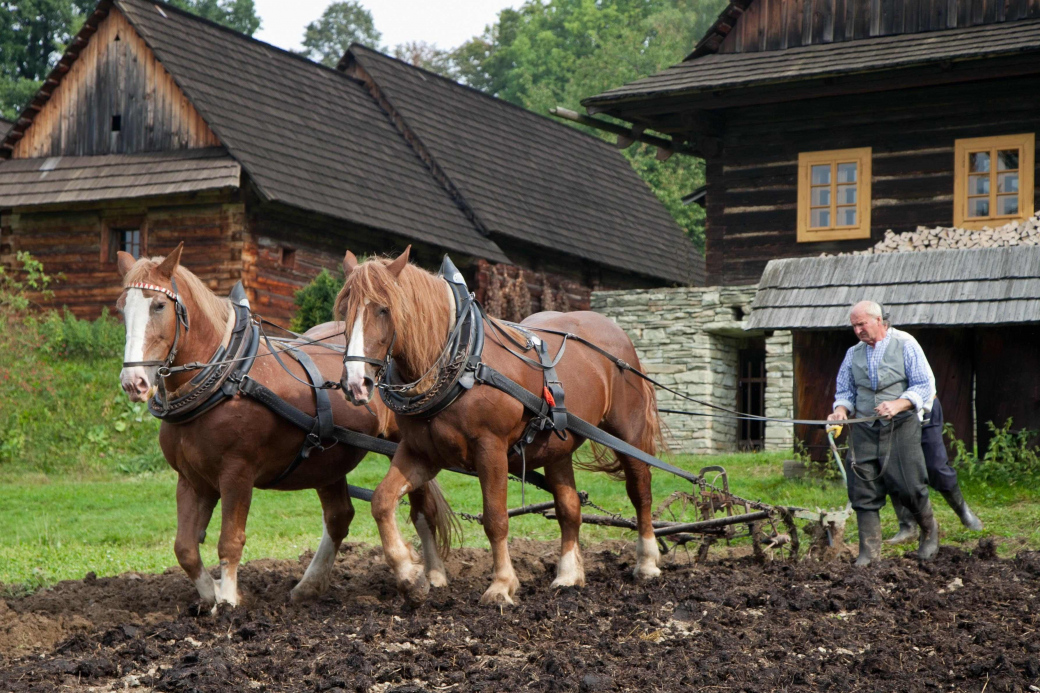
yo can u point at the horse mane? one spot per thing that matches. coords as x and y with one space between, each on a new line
214 309
418 306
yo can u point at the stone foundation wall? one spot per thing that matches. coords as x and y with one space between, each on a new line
689 338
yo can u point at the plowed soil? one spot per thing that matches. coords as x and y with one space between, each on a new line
966 622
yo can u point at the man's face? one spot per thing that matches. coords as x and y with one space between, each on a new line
867 328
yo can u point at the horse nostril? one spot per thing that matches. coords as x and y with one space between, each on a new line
369 384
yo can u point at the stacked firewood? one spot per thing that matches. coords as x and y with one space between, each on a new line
1026 232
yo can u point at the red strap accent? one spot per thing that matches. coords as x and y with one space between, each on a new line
549 397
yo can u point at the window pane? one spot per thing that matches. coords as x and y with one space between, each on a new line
1007 204
1007 182
820 218
847 173
130 242
978 185
846 194
846 216
1007 160
978 162
978 207
821 197
821 174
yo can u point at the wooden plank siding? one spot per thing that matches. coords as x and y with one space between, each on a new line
74 242
116 75
752 184
776 24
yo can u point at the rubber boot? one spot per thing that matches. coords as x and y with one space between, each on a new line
869 522
929 541
956 501
907 526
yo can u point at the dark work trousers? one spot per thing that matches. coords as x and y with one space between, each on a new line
903 476
941 476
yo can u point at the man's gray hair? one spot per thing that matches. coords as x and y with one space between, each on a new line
871 308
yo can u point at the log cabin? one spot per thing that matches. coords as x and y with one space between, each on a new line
826 123
157 127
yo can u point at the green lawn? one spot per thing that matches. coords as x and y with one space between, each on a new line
60 528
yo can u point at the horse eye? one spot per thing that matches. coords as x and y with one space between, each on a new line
383 312
159 307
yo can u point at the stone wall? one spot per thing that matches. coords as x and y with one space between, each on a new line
689 338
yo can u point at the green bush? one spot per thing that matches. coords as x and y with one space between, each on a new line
315 301
66 336
1011 458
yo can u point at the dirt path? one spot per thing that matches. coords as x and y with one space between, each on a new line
964 623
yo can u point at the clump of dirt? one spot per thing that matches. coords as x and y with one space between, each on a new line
964 622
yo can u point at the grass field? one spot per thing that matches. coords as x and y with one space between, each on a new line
57 529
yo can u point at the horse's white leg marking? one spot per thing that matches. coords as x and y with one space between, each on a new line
227 590
318 575
571 570
648 556
356 347
206 587
435 571
136 314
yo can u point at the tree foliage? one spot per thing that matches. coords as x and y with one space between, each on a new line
34 33
315 301
327 38
561 51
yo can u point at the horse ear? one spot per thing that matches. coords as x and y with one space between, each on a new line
349 263
172 260
124 261
397 265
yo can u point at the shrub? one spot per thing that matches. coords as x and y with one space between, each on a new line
1011 458
315 301
66 336
16 285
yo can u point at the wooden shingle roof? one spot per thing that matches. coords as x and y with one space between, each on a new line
532 179
726 70
116 176
930 288
306 135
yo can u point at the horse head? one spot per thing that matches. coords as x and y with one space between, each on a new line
370 305
153 315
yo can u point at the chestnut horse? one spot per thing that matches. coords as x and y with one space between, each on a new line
241 444
392 305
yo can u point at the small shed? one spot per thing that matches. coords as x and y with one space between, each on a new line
976 314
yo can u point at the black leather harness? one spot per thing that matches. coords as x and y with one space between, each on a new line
226 375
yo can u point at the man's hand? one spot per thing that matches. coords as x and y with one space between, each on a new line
890 409
840 414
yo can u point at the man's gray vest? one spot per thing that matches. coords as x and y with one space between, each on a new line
891 376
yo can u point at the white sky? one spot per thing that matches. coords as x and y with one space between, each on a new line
446 23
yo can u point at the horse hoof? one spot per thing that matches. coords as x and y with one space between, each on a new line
571 581
415 587
437 578
222 607
304 593
495 597
647 571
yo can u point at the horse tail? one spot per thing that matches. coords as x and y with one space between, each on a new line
441 518
650 438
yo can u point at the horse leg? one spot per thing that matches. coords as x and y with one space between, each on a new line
194 511
404 476
494 479
637 484
423 511
337 513
571 570
235 496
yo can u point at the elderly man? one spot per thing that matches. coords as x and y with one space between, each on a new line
886 375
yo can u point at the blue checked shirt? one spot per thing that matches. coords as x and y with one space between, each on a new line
920 390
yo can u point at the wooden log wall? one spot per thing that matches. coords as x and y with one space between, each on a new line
769 25
576 296
74 242
752 184
1007 378
274 270
116 75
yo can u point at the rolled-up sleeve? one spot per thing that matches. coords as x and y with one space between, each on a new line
920 381
845 392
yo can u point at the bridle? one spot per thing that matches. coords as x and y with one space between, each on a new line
380 364
182 319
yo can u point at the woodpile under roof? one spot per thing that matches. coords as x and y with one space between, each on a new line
1016 233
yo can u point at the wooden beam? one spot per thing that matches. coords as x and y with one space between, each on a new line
636 135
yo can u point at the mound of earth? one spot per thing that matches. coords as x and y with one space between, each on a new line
964 622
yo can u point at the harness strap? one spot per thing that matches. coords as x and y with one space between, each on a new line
323 423
538 406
